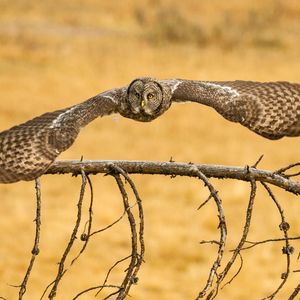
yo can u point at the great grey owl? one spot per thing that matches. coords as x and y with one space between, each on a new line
270 109
27 150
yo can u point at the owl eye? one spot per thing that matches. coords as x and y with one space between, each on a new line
150 96
137 94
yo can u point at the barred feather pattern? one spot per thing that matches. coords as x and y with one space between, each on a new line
270 109
27 150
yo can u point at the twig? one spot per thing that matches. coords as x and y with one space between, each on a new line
238 271
258 161
287 250
222 227
35 250
140 257
86 236
108 273
104 285
295 293
97 287
282 170
61 268
204 202
210 242
134 251
253 244
242 241
46 289
113 223
136 258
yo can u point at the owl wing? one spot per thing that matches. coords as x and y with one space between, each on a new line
270 109
27 150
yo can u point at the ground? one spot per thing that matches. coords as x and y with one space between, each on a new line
53 55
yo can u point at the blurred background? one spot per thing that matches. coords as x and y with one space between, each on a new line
56 54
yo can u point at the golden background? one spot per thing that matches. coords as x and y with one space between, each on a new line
54 54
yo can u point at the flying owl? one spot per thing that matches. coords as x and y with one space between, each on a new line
27 150
270 109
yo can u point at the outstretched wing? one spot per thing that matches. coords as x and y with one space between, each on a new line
27 150
271 109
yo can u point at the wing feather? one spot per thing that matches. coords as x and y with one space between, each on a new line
27 150
270 109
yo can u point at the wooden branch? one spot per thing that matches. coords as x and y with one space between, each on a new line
176 169
61 265
35 251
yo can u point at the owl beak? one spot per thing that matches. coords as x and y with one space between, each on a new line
142 103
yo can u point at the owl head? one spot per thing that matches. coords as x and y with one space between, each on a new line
147 99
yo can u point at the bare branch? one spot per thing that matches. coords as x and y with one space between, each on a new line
134 252
104 285
222 227
210 242
35 251
287 250
253 244
295 293
97 287
61 268
284 169
204 202
236 252
140 257
120 170
238 271
176 169
86 236
113 223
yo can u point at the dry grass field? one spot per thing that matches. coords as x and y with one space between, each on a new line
57 53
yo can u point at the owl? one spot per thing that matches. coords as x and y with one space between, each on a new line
270 109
